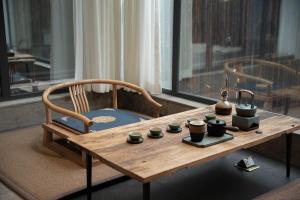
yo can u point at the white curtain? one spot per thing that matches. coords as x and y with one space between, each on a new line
97 45
62 49
142 60
19 24
186 43
289 28
166 31
118 39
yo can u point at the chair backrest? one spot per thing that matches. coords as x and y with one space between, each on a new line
79 99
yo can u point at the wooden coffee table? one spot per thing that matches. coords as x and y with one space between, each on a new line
155 158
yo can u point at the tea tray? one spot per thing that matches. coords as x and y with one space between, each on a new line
208 140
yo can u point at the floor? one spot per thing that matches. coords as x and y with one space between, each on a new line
7 194
215 180
218 179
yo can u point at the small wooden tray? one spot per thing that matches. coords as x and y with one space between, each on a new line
208 140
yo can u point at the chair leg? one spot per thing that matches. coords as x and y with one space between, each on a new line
47 137
49 142
83 158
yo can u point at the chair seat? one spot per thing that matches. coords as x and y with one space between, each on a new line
103 119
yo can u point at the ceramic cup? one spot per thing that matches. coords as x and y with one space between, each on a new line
174 125
155 131
191 119
135 136
210 116
197 130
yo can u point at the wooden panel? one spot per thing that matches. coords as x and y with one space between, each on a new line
157 157
60 131
69 154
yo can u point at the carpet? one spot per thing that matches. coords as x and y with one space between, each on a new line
35 172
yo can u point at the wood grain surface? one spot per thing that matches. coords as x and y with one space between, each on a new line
159 157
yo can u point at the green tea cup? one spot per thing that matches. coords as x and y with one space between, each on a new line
210 116
135 135
174 125
155 131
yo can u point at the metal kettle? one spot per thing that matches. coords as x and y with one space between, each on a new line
245 110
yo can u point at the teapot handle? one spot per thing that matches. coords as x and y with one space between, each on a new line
246 91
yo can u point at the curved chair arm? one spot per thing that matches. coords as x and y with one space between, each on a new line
281 66
247 76
61 110
262 62
87 122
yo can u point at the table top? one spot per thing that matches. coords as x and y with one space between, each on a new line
154 158
21 57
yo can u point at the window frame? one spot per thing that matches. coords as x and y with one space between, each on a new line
5 93
175 61
4 72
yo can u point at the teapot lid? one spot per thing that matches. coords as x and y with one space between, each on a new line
197 122
224 95
217 122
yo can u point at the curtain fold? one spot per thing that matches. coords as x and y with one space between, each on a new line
142 61
118 39
97 46
78 38
62 50
186 40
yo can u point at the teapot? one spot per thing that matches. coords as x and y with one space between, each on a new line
245 110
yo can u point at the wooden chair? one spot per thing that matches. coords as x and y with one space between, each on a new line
264 86
52 129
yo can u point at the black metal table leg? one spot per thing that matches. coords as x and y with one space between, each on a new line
88 176
146 191
288 153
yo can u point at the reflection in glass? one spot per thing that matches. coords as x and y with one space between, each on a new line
254 44
39 36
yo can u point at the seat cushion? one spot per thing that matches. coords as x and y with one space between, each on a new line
103 119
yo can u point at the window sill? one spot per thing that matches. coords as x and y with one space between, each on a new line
179 100
29 100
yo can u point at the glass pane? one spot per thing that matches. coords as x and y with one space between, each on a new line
166 42
252 44
40 40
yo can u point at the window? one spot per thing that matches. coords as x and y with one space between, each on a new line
242 44
39 43
166 42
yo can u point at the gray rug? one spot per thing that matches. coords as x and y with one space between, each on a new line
35 172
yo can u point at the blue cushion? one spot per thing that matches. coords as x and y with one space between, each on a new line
103 119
